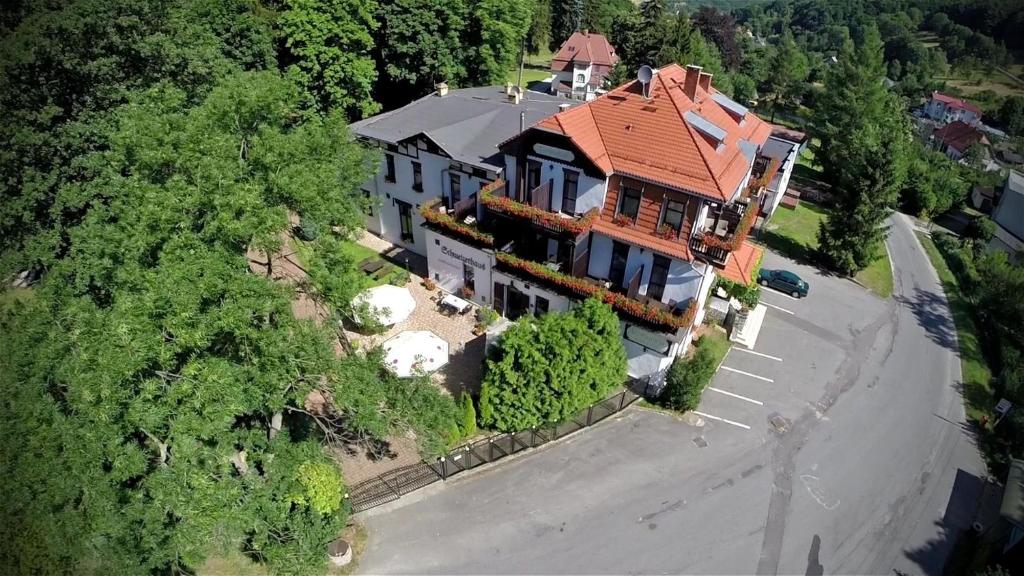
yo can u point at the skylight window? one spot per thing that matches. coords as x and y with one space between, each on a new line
737 110
706 127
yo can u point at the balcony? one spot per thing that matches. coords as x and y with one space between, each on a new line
460 220
715 254
638 307
723 233
536 208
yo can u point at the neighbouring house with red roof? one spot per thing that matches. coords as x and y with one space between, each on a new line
581 65
956 137
640 197
946 109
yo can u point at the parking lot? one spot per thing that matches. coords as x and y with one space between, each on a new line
647 491
801 345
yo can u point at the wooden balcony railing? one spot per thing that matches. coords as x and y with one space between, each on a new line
716 254
540 197
579 266
448 221
654 313
633 287
495 198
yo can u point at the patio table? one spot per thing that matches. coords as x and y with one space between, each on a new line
455 303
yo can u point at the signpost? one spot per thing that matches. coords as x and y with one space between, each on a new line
1002 407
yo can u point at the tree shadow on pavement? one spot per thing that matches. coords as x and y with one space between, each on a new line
951 551
933 315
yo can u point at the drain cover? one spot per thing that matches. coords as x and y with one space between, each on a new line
700 442
779 423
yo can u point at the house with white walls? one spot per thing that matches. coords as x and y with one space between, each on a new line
640 197
442 146
580 66
945 108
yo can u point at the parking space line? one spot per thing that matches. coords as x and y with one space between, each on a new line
710 417
744 398
749 351
783 294
780 308
747 374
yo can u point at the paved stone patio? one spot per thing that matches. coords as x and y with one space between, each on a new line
462 373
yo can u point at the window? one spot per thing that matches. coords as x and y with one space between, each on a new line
630 203
674 214
389 174
659 276
499 298
540 305
468 280
455 187
369 202
417 177
405 220
617 268
580 78
570 185
532 175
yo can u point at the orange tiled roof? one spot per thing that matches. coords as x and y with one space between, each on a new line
674 248
650 139
740 267
584 47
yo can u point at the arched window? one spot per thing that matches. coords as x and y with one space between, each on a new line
580 78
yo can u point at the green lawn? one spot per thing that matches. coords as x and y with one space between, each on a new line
794 233
536 69
529 75
976 374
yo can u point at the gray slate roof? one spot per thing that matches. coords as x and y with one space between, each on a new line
1010 212
467 123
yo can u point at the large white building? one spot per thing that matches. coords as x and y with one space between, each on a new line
442 146
945 108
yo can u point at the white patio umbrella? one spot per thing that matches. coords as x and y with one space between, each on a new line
415 351
388 304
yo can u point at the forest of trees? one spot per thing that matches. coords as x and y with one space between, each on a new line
154 382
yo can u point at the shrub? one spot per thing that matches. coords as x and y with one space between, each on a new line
429 284
309 230
486 316
687 378
748 294
468 427
399 278
549 368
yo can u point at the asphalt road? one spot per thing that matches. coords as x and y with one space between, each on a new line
839 447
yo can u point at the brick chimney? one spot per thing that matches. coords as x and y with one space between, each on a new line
690 84
442 89
704 81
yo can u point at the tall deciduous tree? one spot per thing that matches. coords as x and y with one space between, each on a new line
66 64
864 140
720 28
549 368
420 43
497 30
142 384
331 46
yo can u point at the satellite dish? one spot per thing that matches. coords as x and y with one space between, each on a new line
644 74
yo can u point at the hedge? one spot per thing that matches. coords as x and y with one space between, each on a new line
687 377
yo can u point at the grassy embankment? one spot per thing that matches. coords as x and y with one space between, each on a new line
794 233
